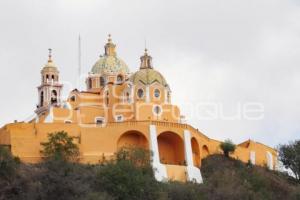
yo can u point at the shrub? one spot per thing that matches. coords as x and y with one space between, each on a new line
289 156
129 176
227 147
60 146
8 163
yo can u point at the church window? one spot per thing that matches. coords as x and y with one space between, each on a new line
99 120
52 77
73 98
119 118
102 81
119 78
53 97
107 98
157 93
90 83
42 99
47 78
157 110
128 97
140 93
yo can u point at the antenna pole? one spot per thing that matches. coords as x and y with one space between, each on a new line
79 57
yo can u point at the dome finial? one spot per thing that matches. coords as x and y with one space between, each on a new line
146 61
50 55
110 47
109 38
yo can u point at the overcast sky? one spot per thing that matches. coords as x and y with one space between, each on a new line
229 53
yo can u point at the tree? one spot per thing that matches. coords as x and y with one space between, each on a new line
60 146
227 147
8 163
289 155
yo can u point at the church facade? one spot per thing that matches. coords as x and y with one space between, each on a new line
120 109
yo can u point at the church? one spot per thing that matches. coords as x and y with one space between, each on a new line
122 109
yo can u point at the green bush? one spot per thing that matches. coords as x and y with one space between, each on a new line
8 164
227 147
289 156
129 176
60 146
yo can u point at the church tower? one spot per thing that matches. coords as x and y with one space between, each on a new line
49 91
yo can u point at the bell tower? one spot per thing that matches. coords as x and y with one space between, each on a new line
49 92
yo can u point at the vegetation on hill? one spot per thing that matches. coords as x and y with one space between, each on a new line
130 177
289 155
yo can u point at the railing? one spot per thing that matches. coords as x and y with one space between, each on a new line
156 123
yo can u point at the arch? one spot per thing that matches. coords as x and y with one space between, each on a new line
131 139
53 78
119 78
102 81
205 151
53 97
90 83
42 99
196 152
171 148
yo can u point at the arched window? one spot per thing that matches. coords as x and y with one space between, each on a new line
128 97
73 98
157 93
119 78
53 97
52 77
102 81
47 78
90 83
140 93
107 98
42 99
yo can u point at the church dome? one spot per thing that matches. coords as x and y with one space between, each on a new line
147 75
109 62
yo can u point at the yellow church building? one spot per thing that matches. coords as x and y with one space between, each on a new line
119 109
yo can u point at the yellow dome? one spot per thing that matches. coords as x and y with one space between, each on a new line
50 67
147 77
110 64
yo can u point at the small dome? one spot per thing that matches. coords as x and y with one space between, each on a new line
110 64
50 67
147 77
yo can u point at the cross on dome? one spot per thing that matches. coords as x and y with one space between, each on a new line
50 55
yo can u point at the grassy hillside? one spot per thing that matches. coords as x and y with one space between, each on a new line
122 179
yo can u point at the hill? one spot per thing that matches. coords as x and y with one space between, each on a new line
224 178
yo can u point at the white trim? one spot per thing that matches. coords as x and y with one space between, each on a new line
269 160
147 94
49 118
252 157
160 170
193 173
